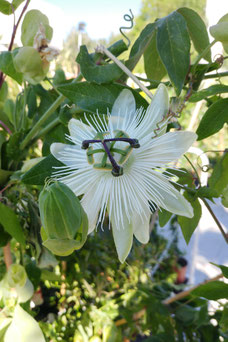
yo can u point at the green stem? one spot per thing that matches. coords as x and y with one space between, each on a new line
197 175
39 123
47 128
31 134
224 234
202 54
219 74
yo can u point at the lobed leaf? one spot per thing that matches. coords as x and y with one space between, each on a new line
213 120
7 66
197 30
93 97
213 291
173 46
11 223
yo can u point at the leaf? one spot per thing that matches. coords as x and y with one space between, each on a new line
4 176
223 268
214 119
210 91
90 97
188 225
197 30
97 73
7 66
173 46
164 217
11 223
8 8
41 171
213 291
219 178
152 62
140 46
205 192
5 237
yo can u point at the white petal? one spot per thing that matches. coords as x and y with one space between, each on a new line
23 328
166 148
79 131
123 237
25 292
169 198
123 110
155 112
141 228
70 155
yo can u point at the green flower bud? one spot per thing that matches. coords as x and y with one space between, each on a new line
29 62
31 24
65 224
220 31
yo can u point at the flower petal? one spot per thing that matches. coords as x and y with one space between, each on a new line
79 131
123 110
141 228
157 109
69 154
23 328
166 148
123 237
167 196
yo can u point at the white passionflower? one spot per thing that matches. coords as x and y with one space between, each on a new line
117 165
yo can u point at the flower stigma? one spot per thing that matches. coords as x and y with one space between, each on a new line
108 151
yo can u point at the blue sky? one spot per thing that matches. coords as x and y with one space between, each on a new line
101 16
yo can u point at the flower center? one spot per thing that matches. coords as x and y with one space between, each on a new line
111 151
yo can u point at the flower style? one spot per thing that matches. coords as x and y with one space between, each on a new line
117 165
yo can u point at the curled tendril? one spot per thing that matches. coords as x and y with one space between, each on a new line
206 168
48 181
130 18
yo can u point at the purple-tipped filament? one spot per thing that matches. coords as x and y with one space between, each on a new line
117 170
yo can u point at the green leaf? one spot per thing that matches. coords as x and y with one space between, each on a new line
140 45
97 73
210 91
173 46
5 237
205 192
197 30
152 62
213 120
4 176
213 291
90 97
8 8
164 217
225 197
41 171
223 268
7 66
11 223
188 225
219 178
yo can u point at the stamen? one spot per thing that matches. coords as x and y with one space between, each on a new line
117 170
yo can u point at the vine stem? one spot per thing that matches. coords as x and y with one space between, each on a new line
224 234
102 49
187 292
7 255
15 27
219 74
31 134
203 53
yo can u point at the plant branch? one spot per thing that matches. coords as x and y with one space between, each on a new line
31 134
7 255
224 234
187 292
102 49
219 74
203 53
15 27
